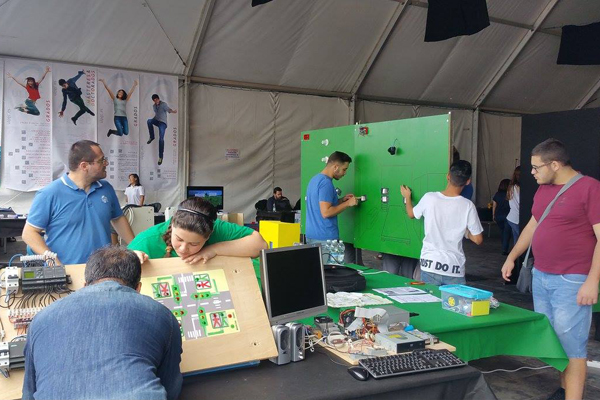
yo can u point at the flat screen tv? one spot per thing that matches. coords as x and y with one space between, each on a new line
213 194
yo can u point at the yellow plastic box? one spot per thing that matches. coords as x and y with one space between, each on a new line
279 234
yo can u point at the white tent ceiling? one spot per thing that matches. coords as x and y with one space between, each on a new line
370 48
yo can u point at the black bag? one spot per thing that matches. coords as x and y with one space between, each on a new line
343 279
524 283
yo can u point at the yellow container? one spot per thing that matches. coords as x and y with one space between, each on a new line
279 234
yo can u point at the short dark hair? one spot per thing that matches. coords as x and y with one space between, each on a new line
552 150
81 151
460 172
339 158
114 262
277 189
155 96
61 82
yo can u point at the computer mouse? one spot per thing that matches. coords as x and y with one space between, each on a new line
359 373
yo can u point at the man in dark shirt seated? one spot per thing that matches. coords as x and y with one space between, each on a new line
105 340
277 202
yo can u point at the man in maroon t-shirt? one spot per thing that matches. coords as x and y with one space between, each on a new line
566 247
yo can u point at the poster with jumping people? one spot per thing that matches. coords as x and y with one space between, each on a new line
159 140
74 111
118 124
27 124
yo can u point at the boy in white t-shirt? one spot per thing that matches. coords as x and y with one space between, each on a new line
449 217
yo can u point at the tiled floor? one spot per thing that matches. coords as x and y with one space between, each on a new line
483 271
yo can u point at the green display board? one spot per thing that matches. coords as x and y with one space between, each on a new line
421 161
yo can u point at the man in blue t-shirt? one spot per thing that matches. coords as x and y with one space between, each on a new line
76 211
322 203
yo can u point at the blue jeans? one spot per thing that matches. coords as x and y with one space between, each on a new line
162 127
506 233
439 280
30 107
556 297
515 230
122 126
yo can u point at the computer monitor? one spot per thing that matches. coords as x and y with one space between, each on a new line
293 282
213 194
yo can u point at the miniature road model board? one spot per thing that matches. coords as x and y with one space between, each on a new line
200 301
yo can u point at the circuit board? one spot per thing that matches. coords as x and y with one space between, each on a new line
200 301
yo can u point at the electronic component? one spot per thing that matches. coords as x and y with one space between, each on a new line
326 325
11 279
22 317
409 363
4 356
394 319
428 337
16 350
43 278
399 342
12 356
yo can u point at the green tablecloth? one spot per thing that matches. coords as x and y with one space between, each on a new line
507 330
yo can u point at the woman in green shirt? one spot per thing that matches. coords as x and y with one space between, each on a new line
195 234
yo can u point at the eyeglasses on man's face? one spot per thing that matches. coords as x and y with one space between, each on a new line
536 168
99 161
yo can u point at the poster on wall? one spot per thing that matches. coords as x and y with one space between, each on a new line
27 124
159 136
74 111
118 124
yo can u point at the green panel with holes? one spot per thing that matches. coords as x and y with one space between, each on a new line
421 159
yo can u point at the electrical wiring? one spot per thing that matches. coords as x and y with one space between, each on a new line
515 370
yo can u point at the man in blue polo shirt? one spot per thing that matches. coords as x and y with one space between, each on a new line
322 203
76 210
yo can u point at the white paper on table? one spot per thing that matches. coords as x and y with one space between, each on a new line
416 298
399 291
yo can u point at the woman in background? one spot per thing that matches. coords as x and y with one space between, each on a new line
120 104
500 209
135 191
33 92
513 195
195 234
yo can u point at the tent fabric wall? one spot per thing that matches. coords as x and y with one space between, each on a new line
498 153
266 129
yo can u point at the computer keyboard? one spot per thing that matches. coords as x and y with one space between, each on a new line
410 363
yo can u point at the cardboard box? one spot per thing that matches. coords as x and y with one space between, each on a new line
235 218
279 234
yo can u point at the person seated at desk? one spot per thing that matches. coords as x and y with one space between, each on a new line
448 218
105 340
195 234
277 202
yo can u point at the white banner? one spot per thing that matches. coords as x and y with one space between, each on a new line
74 113
27 124
118 131
159 158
